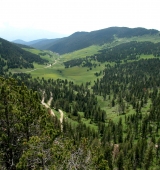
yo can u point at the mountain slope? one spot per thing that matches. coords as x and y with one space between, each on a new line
80 40
44 44
12 56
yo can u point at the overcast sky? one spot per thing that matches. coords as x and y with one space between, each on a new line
33 19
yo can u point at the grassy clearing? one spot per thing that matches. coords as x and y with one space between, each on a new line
90 124
151 38
81 53
47 55
118 41
76 74
82 74
57 70
146 57
73 122
56 113
32 50
112 112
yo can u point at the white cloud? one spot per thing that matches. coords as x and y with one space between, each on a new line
68 16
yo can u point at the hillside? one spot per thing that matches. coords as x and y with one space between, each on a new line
44 44
110 98
80 40
31 137
12 56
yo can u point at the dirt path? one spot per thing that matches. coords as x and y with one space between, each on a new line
61 115
61 118
50 100
51 111
47 106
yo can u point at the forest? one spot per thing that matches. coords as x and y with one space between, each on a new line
123 52
126 139
81 40
132 142
31 138
12 56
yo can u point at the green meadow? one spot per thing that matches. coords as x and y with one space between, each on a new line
81 53
55 68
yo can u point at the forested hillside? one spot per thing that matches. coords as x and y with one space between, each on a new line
30 138
130 142
12 56
126 51
80 40
27 43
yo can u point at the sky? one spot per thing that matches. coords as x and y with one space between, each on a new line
36 19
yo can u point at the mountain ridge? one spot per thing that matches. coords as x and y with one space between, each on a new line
19 41
80 40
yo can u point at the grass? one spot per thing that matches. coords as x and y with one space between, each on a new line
48 55
112 112
73 122
32 50
56 113
146 56
82 53
77 74
90 124
95 48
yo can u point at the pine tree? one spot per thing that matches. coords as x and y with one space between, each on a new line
148 157
20 110
119 161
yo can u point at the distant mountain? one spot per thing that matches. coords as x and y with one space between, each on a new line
44 44
29 42
20 42
80 40
41 44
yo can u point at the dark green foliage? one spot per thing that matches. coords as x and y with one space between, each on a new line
132 136
132 85
20 119
12 56
80 40
34 131
67 96
126 51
